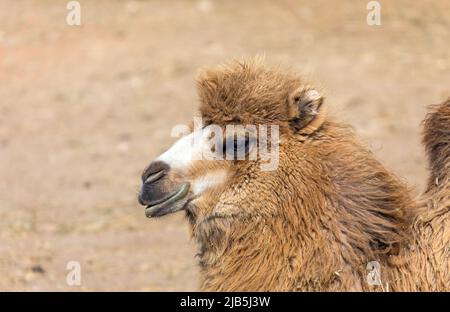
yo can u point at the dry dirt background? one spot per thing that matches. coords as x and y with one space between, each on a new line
84 109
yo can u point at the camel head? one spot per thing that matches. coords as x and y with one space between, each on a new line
279 196
238 150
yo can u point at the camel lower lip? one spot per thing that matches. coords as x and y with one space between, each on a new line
167 205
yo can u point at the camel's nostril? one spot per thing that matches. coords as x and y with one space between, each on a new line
154 172
154 176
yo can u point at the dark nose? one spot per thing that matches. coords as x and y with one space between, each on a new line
151 175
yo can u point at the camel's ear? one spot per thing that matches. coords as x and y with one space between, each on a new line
305 110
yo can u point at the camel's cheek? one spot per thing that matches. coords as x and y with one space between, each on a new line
206 191
209 181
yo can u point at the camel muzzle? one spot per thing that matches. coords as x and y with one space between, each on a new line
158 194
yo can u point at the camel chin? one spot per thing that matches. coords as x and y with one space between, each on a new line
173 202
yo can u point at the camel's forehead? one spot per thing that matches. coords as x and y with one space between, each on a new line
246 95
250 109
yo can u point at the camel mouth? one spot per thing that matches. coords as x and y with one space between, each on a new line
168 204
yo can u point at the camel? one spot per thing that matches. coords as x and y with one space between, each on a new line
322 217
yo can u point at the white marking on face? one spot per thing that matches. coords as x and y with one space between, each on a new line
187 149
208 181
180 154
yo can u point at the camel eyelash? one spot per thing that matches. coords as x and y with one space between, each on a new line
237 145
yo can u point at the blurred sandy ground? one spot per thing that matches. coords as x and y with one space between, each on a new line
84 109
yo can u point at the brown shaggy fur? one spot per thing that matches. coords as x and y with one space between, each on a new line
424 265
330 207
315 222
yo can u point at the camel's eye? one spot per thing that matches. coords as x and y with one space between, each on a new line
238 146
